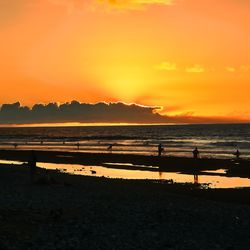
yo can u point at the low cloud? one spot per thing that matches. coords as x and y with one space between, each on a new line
79 112
195 69
189 118
166 66
76 112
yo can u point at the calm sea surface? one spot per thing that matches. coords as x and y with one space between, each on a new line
212 140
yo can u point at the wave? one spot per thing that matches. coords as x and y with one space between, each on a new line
177 140
234 144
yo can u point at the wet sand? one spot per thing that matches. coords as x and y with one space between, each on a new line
61 211
235 168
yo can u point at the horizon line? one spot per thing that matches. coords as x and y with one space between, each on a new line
107 124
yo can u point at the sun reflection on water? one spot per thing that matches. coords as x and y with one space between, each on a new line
115 170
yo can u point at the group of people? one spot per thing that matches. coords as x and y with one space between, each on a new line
196 153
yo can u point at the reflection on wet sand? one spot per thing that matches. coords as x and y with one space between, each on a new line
196 179
216 179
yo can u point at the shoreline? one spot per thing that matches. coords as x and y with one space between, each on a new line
234 168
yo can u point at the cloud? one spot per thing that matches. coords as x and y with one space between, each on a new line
124 2
112 3
133 4
12 8
166 66
241 69
76 112
195 69
231 69
79 112
245 68
190 118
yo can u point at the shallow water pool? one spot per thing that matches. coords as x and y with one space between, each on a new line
118 170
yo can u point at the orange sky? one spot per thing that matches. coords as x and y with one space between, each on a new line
189 56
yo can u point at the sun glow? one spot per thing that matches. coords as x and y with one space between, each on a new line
79 124
178 54
126 83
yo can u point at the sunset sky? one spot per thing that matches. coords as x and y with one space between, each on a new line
191 57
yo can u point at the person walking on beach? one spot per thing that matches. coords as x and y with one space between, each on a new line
160 149
110 147
237 154
78 145
196 153
32 165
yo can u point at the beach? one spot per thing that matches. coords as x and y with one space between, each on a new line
236 167
62 211
124 125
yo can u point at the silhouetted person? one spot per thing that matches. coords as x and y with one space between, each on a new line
196 153
78 145
160 175
15 145
196 179
237 154
32 165
110 147
41 142
160 149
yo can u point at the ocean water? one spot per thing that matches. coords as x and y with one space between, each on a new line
213 140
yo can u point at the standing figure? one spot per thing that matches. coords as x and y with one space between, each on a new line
196 179
160 149
78 145
196 153
110 147
237 154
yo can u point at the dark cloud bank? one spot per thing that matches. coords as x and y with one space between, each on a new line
78 112
75 111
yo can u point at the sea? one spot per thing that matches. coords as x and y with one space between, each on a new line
212 140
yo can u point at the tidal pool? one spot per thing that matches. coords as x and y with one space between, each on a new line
121 170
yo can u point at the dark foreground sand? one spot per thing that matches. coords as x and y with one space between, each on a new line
61 211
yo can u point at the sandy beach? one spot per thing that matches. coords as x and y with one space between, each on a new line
62 211
124 125
237 168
